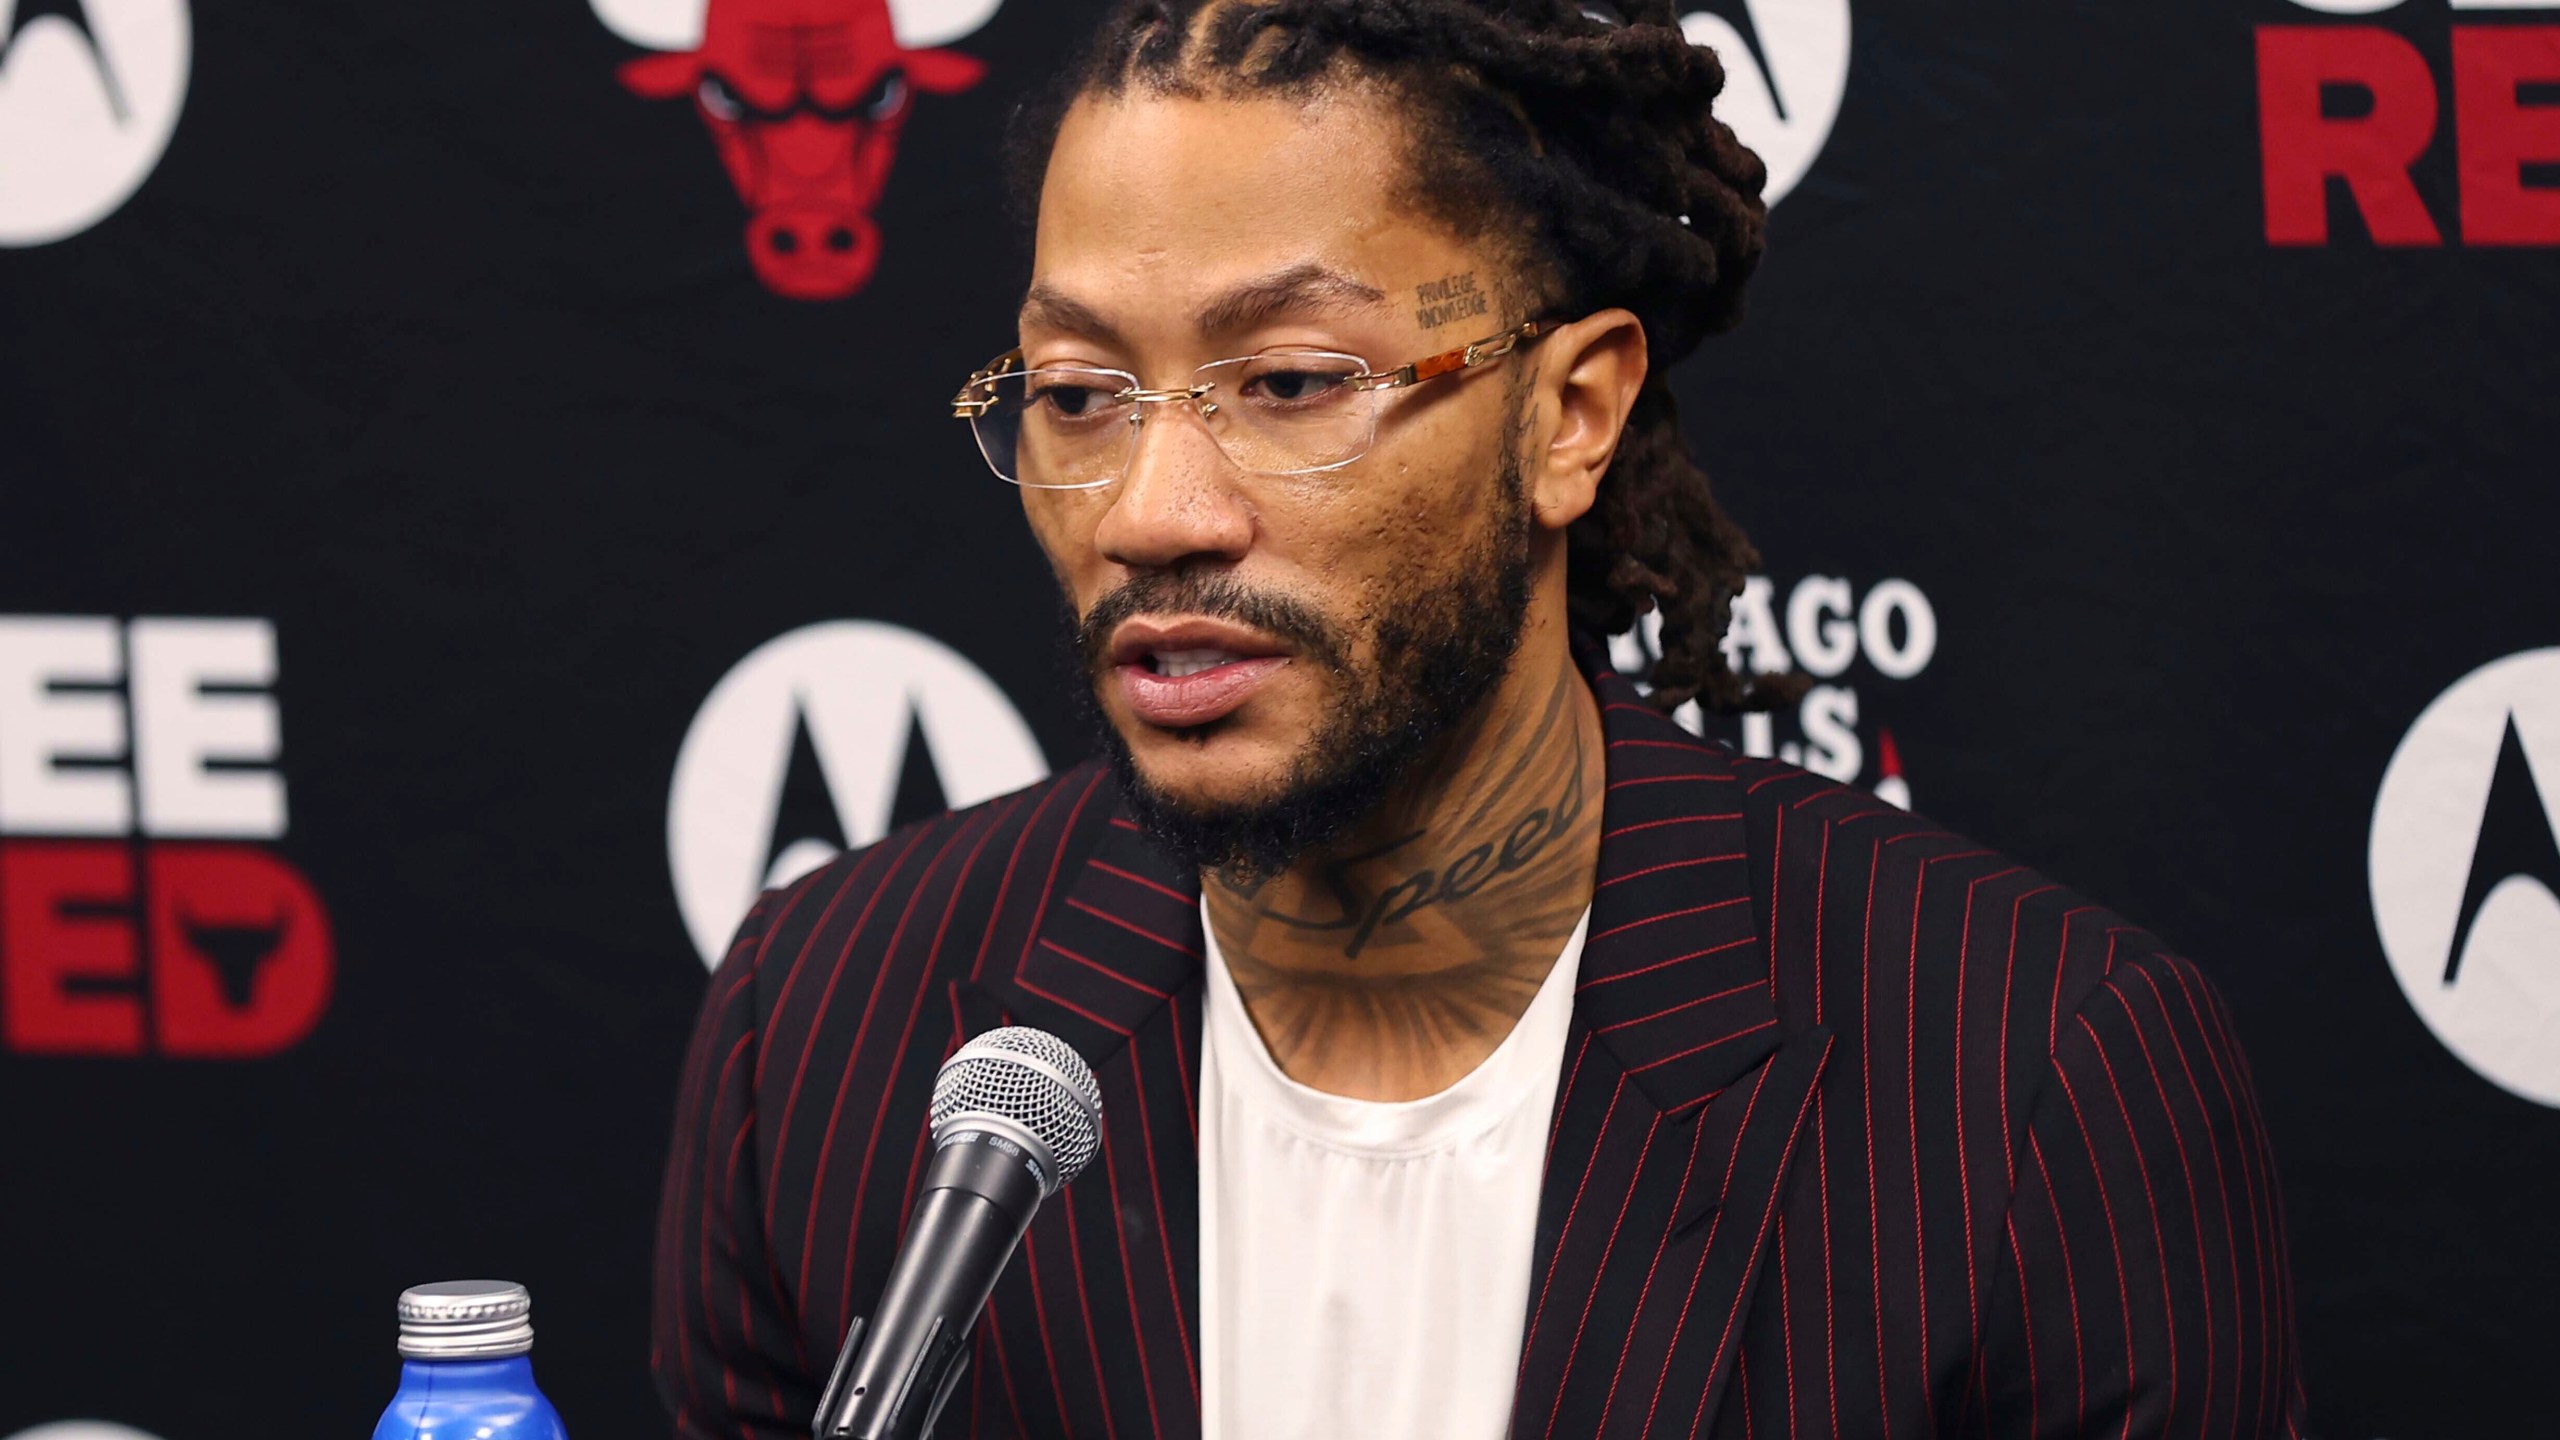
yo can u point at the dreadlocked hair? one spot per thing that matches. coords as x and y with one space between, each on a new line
1581 135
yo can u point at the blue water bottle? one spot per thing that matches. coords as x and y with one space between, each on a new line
464 1371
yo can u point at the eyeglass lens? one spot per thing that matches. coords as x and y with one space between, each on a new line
1277 413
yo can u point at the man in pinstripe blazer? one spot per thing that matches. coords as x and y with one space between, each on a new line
1856 1128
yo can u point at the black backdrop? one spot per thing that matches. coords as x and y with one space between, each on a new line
430 352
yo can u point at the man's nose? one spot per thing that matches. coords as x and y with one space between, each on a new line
1178 499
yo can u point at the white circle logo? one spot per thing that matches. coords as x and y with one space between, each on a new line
1786 65
2465 863
89 95
678 24
83 1430
818 742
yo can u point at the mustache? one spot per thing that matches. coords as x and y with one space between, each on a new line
1218 596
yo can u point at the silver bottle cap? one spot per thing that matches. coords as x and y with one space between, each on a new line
466 1320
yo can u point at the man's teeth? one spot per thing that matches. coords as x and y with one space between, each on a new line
1174 664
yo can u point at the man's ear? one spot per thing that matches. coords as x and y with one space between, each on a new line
1588 373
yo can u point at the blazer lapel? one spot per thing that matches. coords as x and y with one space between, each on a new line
1677 1120
1675 1129
1111 963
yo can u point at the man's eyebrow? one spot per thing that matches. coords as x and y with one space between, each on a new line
1304 288
1047 308
1307 287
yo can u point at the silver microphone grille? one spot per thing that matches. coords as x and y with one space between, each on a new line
1033 1079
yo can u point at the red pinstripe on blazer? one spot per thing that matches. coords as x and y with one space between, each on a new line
1864 1131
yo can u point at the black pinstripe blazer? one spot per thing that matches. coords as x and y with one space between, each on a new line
1864 1131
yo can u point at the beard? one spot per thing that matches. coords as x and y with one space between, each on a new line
1443 641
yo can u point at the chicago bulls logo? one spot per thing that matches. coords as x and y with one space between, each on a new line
805 100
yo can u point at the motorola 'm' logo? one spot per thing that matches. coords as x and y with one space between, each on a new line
1786 65
2465 865
89 95
820 741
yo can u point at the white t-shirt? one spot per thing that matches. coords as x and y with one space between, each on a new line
1364 1265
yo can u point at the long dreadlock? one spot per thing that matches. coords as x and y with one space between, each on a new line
1583 129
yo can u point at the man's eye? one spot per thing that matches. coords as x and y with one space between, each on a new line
1293 387
1072 401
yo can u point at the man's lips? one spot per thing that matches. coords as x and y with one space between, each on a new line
1190 672
1198 697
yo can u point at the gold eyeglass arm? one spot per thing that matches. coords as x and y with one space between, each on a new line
1449 362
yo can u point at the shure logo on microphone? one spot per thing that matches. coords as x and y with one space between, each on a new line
988 1138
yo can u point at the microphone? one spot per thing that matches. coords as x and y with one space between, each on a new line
1016 1115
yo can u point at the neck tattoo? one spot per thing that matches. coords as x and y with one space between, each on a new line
1392 964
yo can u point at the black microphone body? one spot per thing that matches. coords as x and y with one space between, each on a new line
1016 1115
901 1363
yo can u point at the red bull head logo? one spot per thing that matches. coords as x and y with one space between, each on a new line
805 100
